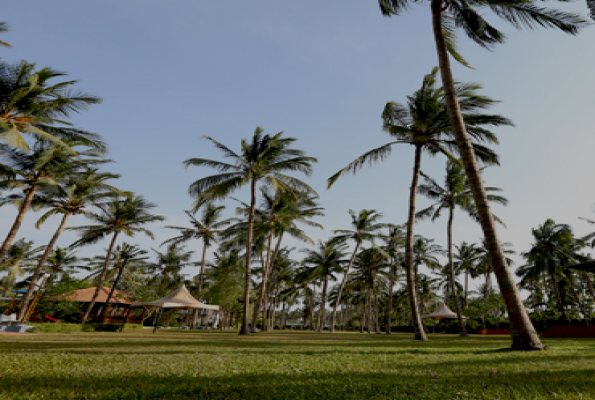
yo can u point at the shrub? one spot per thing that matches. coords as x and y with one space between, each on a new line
49 327
107 327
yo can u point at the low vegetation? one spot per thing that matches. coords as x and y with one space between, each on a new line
170 365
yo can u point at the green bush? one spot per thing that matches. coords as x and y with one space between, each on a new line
51 327
107 327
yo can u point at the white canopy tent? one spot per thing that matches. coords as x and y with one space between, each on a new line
442 312
180 299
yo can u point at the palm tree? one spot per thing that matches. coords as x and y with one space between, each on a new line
553 247
264 158
32 103
394 241
466 260
171 262
78 192
368 264
127 216
62 263
208 228
326 261
44 166
455 193
20 255
424 124
447 15
278 216
365 227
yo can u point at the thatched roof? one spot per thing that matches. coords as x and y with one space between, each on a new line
85 296
179 298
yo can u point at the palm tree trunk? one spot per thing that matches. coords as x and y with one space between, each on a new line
270 272
369 311
312 309
363 317
376 308
451 276
390 296
261 300
245 328
557 292
37 273
340 292
18 221
273 311
466 287
410 269
200 282
282 321
524 336
101 278
320 324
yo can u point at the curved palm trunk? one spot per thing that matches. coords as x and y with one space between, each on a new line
37 273
245 328
101 278
410 269
451 276
18 221
524 336
340 292
390 296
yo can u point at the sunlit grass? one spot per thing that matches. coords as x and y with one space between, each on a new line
198 365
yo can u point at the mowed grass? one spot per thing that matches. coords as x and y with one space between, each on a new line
288 365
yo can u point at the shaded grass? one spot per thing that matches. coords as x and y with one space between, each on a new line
197 365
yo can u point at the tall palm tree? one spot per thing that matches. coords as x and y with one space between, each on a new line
278 215
325 261
365 228
128 217
44 166
208 228
454 194
368 265
80 190
447 16
32 103
424 124
263 159
394 241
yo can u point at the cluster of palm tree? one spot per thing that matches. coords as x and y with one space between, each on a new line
59 171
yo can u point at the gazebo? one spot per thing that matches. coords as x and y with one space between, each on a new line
442 312
179 299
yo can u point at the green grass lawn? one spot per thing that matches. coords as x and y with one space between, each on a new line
196 365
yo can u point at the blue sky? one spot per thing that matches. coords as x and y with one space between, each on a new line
171 72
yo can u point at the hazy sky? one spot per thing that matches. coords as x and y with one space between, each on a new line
171 72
